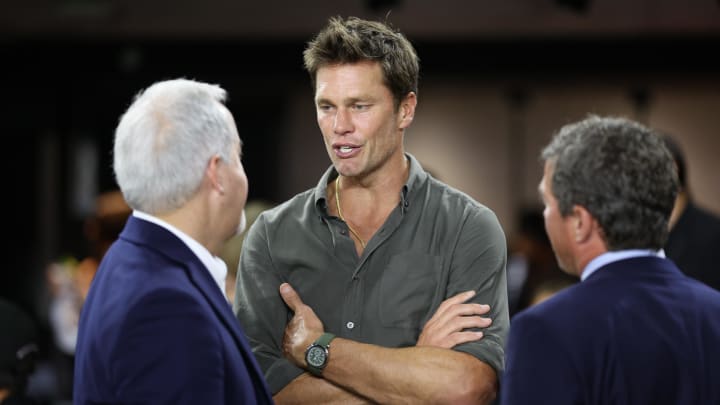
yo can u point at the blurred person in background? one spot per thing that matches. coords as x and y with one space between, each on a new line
69 281
532 268
18 352
69 278
694 241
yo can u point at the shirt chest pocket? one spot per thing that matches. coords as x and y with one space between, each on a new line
409 287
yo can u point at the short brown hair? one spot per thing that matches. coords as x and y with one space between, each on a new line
354 40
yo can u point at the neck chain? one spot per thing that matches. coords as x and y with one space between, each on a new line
337 203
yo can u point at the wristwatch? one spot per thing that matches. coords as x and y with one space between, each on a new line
316 355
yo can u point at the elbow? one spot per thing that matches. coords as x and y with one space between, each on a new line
472 391
486 394
475 385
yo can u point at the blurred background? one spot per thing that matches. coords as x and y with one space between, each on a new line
497 78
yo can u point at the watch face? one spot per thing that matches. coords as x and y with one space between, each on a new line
316 356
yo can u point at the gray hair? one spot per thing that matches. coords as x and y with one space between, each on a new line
621 172
165 139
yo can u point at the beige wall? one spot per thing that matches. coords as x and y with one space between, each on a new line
467 133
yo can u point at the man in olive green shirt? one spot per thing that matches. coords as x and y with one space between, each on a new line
388 270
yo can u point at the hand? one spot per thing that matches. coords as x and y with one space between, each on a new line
303 329
448 326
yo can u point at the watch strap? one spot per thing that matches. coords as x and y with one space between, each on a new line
324 342
324 339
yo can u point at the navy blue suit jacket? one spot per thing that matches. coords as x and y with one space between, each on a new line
156 329
635 332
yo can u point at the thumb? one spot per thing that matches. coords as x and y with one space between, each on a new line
291 298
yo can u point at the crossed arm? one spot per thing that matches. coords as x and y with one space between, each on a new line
362 373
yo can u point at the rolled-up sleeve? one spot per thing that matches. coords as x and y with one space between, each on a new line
479 263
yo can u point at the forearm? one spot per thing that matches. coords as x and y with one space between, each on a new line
307 389
410 375
417 375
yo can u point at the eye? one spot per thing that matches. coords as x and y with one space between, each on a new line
361 107
324 107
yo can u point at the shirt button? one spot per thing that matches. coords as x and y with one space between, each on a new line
344 232
350 325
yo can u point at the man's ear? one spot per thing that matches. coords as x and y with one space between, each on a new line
213 173
407 110
583 223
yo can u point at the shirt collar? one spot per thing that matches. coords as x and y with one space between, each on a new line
416 176
215 265
614 256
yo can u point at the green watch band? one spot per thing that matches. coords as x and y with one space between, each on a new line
324 339
316 355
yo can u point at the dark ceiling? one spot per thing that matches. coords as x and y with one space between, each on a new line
421 19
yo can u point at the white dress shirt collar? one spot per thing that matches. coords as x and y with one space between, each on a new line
215 265
609 257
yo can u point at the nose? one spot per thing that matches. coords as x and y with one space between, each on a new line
343 121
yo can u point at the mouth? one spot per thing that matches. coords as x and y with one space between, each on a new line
346 151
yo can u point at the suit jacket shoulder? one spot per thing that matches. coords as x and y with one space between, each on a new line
154 318
635 332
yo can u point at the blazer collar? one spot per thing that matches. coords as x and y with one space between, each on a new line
165 243
641 266
162 241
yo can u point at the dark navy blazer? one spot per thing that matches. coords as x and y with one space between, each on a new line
636 332
156 329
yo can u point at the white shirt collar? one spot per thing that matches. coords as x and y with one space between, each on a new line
609 257
215 265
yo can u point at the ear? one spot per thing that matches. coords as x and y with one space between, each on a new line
214 175
407 110
583 224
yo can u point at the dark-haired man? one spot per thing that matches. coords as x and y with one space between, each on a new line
635 330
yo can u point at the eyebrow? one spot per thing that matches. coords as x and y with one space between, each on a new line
347 101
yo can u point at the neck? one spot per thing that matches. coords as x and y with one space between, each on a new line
390 177
365 203
340 214
587 251
196 225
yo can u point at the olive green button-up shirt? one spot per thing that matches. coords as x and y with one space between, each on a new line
436 243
